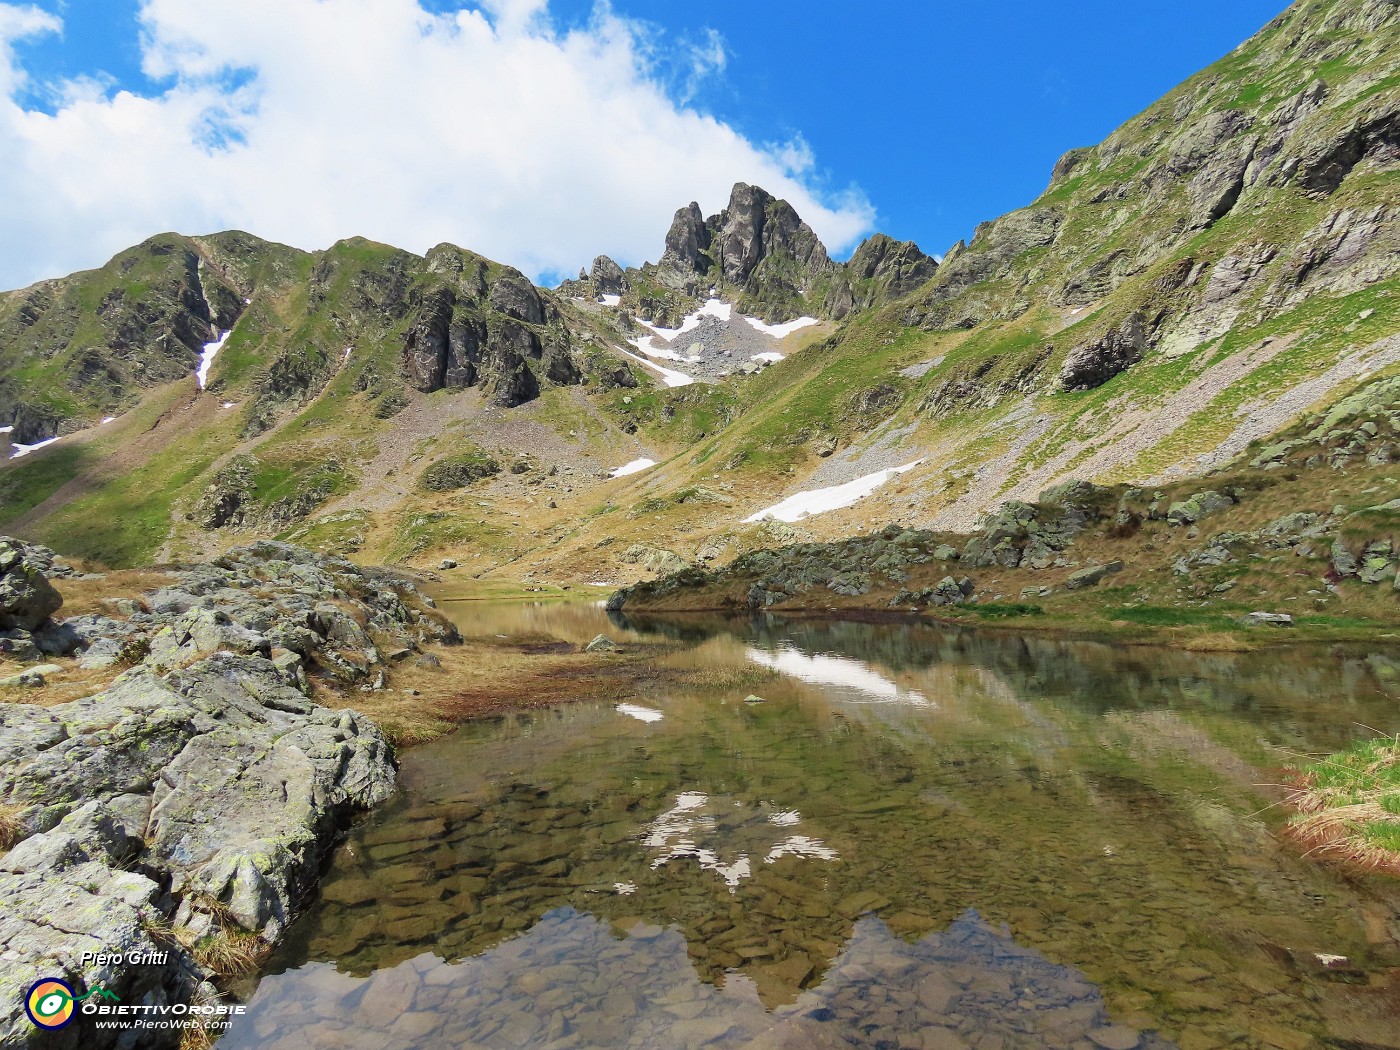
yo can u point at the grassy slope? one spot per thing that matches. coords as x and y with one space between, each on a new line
744 446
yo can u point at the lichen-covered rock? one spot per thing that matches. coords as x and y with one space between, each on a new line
1092 575
1267 619
654 559
223 778
1198 506
49 919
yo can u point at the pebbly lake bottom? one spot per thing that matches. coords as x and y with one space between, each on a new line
922 838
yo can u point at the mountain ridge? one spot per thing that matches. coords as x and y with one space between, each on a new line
1216 267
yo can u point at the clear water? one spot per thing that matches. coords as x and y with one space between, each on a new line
920 839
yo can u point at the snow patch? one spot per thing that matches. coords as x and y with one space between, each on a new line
641 714
659 352
780 331
785 819
819 501
669 376
767 355
7 430
106 420
207 355
635 467
611 300
715 308
229 404
24 450
625 889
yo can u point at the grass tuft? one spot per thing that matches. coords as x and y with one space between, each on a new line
1348 804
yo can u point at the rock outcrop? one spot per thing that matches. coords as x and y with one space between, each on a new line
1094 363
198 795
758 247
197 799
486 326
880 271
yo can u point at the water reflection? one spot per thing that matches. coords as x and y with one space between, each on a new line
575 980
849 680
1104 811
677 833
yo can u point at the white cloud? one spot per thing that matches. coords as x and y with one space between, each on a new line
310 120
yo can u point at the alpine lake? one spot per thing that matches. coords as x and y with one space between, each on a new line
921 838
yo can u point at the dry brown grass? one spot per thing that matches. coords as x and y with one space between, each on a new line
11 827
1337 832
197 1037
72 684
82 597
229 954
1214 642
488 676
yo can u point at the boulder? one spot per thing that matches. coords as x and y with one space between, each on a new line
1267 619
1092 575
602 644
1344 562
949 591
1198 506
27 599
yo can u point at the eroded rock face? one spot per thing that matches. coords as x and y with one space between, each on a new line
1094 363
49 919
607 277
687 243
881 269
498 332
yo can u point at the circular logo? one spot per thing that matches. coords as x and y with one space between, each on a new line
49 1003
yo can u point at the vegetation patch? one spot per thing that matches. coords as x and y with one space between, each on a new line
1005 610
460 470
1349 805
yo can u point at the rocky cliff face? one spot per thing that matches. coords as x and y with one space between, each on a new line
1298 120
477 324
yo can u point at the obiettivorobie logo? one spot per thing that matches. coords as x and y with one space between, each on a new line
52 1003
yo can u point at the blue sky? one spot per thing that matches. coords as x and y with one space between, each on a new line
920 119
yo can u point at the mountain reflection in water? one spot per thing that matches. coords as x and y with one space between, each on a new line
1073 847
576 980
